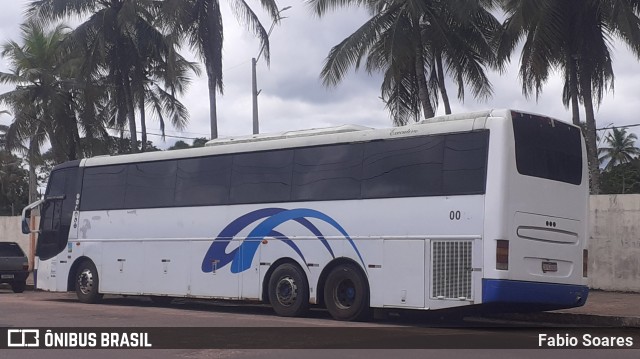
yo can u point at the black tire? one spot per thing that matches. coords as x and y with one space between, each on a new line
346 293
18 287
289 291
87 283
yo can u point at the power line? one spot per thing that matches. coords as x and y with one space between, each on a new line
159 134
187 132
612 127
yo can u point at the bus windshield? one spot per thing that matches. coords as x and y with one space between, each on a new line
547 148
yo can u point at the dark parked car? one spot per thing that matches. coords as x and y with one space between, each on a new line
14 266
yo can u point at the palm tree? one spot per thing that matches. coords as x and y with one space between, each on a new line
620 148
200 21
117 37
574 37
41 103
46 103
460 37
408 40
157 85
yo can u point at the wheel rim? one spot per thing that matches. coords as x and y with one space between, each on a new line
85 281
345 294
286 291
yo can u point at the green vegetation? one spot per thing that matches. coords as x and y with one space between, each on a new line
14 180
180 145
622 170
622 178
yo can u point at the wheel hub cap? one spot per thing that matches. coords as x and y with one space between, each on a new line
85 281
345 294
287 291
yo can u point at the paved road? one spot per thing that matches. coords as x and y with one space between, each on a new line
40 309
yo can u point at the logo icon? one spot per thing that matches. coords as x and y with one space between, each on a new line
242 256
23 338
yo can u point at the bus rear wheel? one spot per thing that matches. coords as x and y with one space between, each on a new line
87 283
346 293
289 291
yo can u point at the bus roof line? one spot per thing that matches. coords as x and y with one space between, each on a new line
304 138
288 134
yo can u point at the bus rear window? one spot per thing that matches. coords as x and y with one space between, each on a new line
10 249
547 148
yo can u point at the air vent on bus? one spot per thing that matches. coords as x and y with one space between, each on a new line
451 271
458 116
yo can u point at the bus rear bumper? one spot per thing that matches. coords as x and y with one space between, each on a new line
533 296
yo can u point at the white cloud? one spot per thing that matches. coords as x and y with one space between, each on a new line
292 94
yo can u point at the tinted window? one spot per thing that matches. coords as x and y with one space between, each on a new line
57 184
150 184
203 181
57 210
328 172
8 249
547 148
104 187
465 158
418 166
403 167
261 177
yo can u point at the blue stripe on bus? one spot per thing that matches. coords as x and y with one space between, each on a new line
533 293
242 256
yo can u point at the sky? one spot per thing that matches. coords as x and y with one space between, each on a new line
292 95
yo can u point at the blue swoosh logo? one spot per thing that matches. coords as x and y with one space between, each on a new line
242 256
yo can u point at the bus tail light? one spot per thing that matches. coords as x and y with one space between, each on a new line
502 254
25 266
585 262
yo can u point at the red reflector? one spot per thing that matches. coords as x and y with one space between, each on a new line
502 254
585 262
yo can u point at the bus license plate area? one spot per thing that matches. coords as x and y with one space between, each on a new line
549 267
7 276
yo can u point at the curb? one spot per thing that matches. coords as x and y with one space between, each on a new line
541 318
571 319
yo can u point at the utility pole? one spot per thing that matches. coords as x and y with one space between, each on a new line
255 92
254 82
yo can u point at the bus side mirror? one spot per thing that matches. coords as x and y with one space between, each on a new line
26 229
26 216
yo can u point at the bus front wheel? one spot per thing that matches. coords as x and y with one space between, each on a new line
289 291
87 283
346 293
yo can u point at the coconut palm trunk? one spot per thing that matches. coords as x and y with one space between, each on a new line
33 178
573 89
131 116
143 125
423 90
441 84
213 63
213 115
590 138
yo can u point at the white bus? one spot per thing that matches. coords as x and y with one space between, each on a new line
472 209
